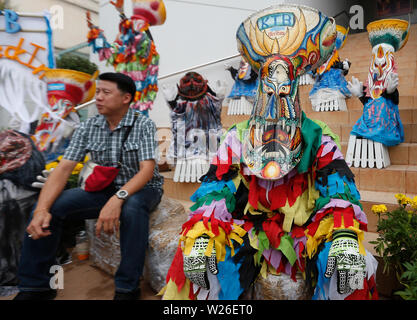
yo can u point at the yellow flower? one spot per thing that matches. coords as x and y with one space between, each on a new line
77 168
51 165
378 209
399 196
414 203
402 199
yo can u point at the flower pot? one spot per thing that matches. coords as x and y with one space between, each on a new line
387 283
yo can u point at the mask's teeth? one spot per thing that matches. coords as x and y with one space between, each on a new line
293 128
288 129
275 154
257 134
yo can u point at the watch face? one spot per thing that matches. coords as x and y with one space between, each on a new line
122 194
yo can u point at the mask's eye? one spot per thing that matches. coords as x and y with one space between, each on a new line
155 5
283 137
269 135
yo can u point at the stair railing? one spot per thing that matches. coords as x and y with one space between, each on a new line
88 103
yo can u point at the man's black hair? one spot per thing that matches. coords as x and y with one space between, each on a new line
124 82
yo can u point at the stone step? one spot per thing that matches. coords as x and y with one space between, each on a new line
178 190
406 82
349 117
353 103
370 198
405 67
394 179
408 116
403 154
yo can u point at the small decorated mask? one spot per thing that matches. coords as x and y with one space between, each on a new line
281 42
382 65
192 86
386 37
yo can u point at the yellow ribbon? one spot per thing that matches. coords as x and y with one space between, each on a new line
325 231
219 242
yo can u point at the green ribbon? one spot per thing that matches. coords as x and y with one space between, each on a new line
216 195
311 133
286 247
263 243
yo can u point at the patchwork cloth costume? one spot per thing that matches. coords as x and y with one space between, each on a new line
133 52
380 120
196 126
330 84
278 197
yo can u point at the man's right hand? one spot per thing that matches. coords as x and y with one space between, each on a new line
38 227
54 185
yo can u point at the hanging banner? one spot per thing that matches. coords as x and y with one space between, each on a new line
27 39
26 52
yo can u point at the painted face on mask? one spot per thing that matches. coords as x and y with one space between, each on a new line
192 86
273 145
386 37
382 65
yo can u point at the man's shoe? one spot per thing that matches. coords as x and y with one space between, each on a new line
36 295
134 295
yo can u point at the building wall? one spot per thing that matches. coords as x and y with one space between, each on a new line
72 30
69 32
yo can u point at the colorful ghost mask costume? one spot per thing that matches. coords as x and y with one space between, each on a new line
66 89
152 11
133 52
253 226
282 46
192 86
381 121
243 92
195 119
330 87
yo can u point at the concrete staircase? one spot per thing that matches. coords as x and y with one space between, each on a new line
376 186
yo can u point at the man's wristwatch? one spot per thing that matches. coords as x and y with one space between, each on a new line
122 194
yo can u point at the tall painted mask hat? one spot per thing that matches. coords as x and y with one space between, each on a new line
152 11
281 42
341 37
386 37
66 89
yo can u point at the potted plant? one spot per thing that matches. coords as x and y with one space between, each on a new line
409 281
396 244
